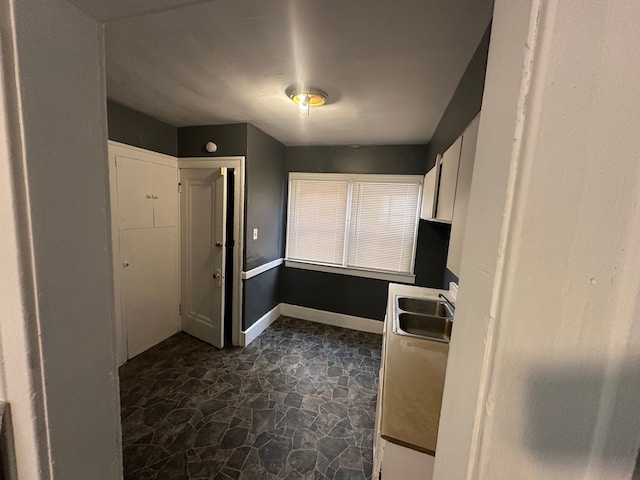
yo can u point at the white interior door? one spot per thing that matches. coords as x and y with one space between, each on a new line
203 208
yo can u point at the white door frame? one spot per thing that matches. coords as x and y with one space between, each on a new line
238 164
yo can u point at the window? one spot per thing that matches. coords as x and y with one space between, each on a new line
354 224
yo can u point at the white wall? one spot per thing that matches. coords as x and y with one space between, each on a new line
57 328
544 373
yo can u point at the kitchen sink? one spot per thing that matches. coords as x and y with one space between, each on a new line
423 318
425 326
424 306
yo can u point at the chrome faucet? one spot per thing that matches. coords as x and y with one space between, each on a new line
453 307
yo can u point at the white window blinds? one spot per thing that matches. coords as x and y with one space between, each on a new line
364 222
317 211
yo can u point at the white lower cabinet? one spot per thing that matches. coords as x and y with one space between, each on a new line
404 463
391 461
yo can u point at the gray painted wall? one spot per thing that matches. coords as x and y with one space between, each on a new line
265 183
465 103
231 140
463 107
134 128
261 294
398 159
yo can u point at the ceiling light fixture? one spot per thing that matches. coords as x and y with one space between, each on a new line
306 97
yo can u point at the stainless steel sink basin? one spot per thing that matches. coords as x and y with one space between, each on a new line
425 326
424 306
423 318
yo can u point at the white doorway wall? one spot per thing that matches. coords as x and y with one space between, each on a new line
542 375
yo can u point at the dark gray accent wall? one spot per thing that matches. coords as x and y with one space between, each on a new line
135 128
362 297
396 159
449 276
431 253
465 103
261 294
358 296
231 140
265 182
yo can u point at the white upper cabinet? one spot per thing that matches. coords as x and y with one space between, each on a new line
463 188
147 194
448 182
430 191
165 206
135 204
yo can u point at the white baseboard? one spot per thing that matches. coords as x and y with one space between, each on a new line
312 315
332 318
254 331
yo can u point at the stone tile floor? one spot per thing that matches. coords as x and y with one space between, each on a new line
298 403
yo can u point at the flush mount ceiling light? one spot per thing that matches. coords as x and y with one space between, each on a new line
307 97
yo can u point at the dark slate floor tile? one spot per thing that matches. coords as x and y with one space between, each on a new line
297 404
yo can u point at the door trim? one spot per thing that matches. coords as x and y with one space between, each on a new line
238 164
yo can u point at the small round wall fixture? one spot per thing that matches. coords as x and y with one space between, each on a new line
307 97
211 147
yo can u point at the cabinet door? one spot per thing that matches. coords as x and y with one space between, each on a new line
448 182
135 205
149 286
165 195
430 191
402 462
465 173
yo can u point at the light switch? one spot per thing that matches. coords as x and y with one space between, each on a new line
255 233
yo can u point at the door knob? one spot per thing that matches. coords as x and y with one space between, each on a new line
218 244
218 276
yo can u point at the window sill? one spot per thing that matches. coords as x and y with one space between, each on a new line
392 277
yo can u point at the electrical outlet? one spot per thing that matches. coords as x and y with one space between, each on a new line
255 233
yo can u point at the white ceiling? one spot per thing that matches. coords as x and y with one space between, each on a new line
389 67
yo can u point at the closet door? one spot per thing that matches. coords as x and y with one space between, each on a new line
149 286
135 188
